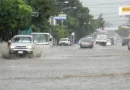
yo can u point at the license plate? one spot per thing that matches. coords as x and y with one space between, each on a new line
20 52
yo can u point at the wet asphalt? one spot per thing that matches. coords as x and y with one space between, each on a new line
69 68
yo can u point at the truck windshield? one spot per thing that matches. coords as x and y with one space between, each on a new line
41 38
22 40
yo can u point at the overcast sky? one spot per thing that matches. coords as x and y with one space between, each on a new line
109 8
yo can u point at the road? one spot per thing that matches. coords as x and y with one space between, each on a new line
69 68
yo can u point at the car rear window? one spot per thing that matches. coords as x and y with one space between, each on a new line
86 40
63 39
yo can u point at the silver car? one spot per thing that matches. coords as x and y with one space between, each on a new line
22 44
86 43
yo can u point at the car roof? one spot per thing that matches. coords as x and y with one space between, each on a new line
89 37
64 38
23 36
40 33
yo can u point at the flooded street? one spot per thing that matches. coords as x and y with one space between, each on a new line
69 68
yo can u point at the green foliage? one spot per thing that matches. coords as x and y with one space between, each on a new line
61 32
15 14
77 17
71 22
124 32
100 22
46 9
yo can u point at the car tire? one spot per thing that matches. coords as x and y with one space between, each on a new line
30 56
91 47
81 47
123 44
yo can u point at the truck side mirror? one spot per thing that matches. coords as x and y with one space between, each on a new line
9 42
50 39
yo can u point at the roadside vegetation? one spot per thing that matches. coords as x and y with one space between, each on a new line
16 16
123 32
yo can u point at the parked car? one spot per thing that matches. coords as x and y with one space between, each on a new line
64 41
125 41
86 42
22 44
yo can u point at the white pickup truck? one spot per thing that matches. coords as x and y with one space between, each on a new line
101 39
22 44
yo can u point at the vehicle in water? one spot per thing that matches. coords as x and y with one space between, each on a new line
125 41
64 41
101 39
112 40
86 42
21 45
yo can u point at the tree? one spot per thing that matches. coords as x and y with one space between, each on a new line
72 22
46 8
101 22
14 15
77 17
123 32
60 32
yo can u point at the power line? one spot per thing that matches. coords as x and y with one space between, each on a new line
110 14
105 3
101 7
107 14
111 17
95 3
115 20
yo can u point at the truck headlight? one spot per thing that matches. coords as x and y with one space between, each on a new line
12 47
29 47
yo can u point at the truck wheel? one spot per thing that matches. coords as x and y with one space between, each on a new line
104 44
30 56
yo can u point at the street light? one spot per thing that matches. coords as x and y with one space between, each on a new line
73 37
66 2
36 14
69 8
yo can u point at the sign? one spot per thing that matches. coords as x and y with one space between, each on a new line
124 10
61 17
27 32
35 14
